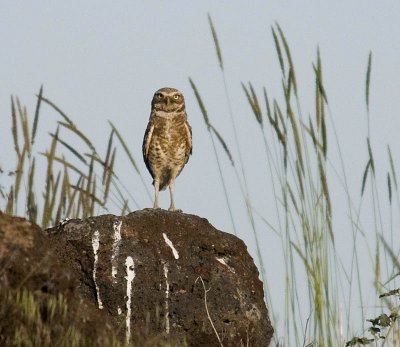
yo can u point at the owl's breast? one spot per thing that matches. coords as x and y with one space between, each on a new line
169 134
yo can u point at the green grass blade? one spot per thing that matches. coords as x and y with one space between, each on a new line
57 109
365 176
293 199
325 190
36 118
10 202
46 216
296 135
368 79
125 208
324 135
73 193
65 164
31 201
223 144
257 107
318 76
274 122
14 127
93 201
201 104
393 256
253 101
54 196
19 175
278 51
300 179
70 148
392 169
292 76
389 184
108 176
371 157
75 130
88 189
84 199
267 105
216 43
25 131
308 267
63 196
108 153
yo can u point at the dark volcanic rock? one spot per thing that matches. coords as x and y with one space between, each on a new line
155 273
27 262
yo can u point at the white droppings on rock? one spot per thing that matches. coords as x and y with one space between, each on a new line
223 262
96 246
166 298
115 249
171 245
130 275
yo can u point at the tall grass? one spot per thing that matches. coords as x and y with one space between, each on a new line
299 169
33 318
301 193
78 181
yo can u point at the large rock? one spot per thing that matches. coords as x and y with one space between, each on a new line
161 276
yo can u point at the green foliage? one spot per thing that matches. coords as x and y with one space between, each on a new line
38 319
78 180
383 328
297 158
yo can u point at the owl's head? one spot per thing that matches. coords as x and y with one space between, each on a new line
168 100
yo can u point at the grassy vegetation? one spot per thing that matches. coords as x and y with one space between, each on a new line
79 183
296 153
38 319
78 179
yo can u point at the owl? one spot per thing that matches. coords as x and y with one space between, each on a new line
167 142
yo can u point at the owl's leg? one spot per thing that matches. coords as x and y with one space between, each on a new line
156 189
171 192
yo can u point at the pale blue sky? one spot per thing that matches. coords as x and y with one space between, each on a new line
103 60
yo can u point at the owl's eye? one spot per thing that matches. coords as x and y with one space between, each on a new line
159 96
177 96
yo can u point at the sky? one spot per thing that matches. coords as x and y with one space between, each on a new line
103 60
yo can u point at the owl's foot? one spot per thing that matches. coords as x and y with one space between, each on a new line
173 209
151 208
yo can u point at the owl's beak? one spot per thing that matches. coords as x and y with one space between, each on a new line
168 101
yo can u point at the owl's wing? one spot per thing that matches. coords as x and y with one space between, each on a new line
189 147
146 144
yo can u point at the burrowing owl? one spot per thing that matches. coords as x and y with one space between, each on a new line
167 142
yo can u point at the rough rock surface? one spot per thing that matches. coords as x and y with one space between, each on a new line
156 273
27 261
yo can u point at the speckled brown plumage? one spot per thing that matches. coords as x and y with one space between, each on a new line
167 143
